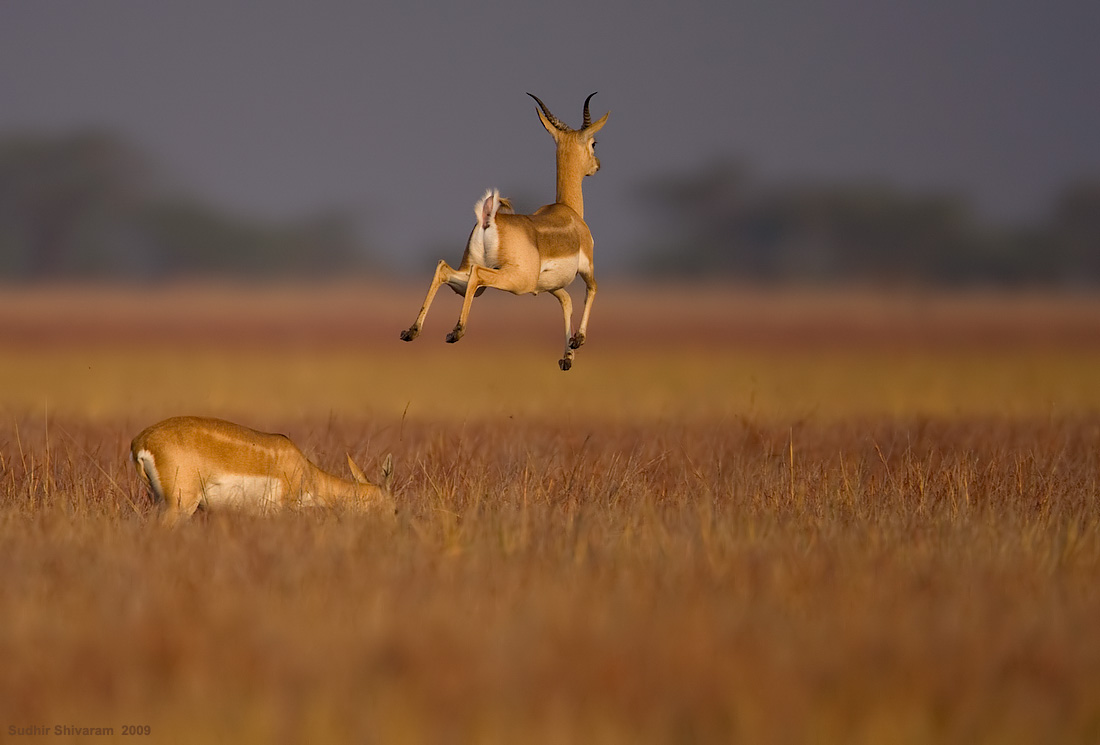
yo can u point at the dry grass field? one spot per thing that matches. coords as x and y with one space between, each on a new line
744 516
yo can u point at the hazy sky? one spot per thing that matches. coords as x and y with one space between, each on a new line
403 113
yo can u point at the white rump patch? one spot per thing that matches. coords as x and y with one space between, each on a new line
485 239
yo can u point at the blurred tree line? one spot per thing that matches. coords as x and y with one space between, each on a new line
86 206
723 222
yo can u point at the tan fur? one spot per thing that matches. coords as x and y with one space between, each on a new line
541 252
184 460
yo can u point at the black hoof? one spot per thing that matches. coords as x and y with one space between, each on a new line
565 364
454 336
409 334
576 341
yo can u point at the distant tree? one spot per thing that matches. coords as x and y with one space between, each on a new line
1075 227
86 206
698 216
65 203
720 220
872 231
187 238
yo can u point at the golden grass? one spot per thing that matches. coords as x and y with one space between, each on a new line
667 354
821 534
627 385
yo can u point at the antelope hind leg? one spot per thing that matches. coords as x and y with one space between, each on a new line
443 274
480 278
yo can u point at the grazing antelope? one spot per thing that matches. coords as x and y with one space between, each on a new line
189 462
542 252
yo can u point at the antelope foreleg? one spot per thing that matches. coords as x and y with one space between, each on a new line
566 361
589 295
443 273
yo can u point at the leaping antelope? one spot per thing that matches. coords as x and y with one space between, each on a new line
187 462
541 252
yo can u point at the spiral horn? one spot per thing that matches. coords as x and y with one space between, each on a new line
558 123
587 118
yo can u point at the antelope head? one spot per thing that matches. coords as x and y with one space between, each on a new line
576 147
364 487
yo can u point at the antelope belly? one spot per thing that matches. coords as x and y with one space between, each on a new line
252 493
555 273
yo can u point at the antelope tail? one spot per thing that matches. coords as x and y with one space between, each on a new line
487 207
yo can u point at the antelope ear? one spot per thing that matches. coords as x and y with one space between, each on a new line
387 472
356 473
556 127
554 131
595 126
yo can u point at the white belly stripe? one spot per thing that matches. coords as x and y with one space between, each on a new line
253 493
555 273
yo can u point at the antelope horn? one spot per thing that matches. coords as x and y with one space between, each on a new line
587 118
558 123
